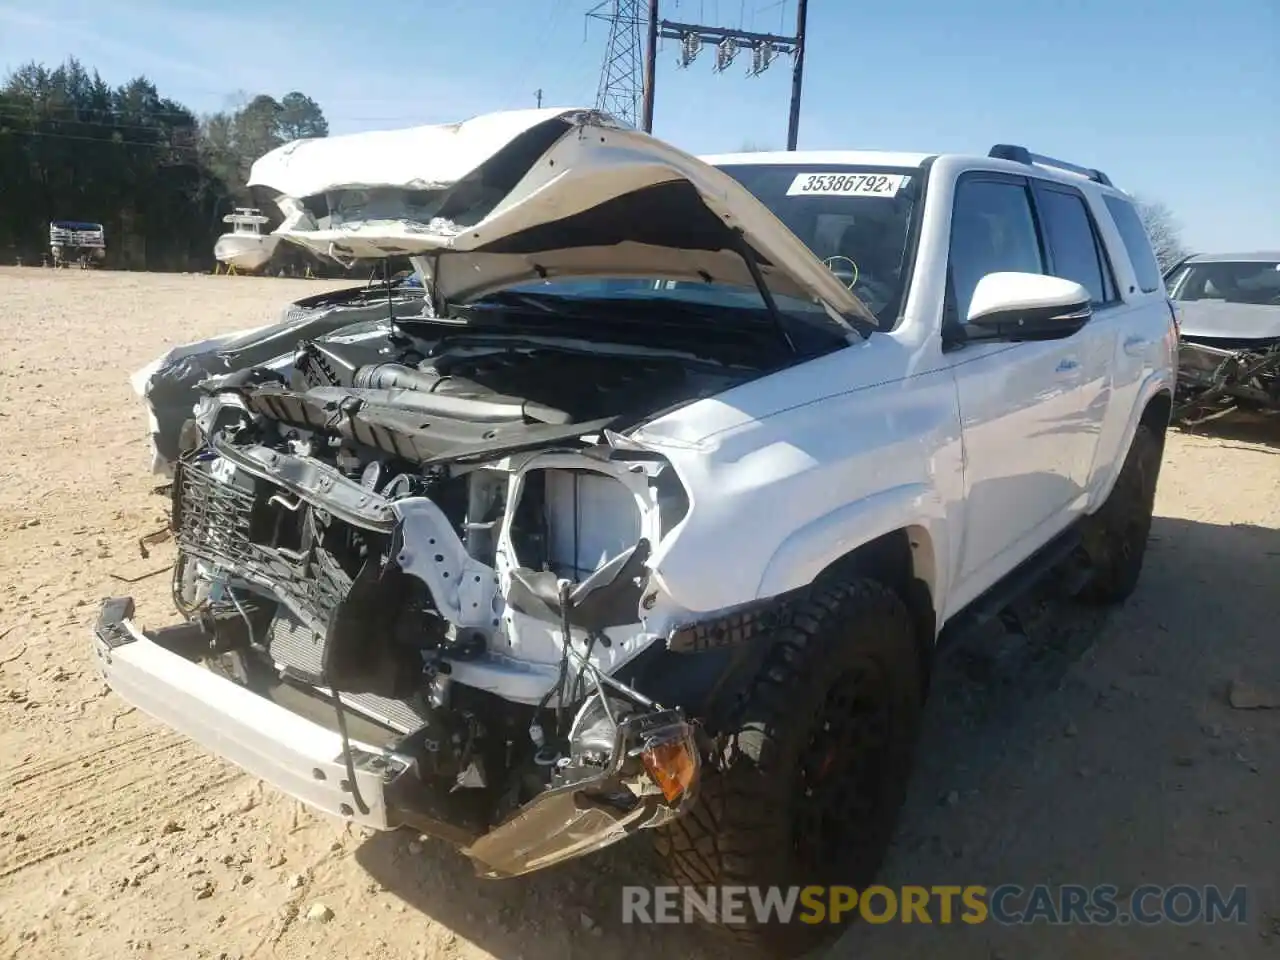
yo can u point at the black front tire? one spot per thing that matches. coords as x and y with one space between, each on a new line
816 762
1115 538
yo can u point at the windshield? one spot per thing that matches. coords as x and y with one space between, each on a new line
1230 281
854 219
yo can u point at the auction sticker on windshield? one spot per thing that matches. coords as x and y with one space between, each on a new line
846 184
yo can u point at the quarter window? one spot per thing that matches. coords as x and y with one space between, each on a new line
1136 243
992 230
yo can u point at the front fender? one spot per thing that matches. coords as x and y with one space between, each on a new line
815 546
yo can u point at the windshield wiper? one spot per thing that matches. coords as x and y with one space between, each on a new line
514 298
779 320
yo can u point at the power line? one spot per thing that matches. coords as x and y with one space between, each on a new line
8 115
36 105
177 148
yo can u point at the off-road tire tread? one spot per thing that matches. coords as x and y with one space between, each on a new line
1116 576
729 837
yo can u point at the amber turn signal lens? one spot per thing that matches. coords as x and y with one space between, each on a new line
673 767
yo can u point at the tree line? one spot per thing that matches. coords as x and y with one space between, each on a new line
158 177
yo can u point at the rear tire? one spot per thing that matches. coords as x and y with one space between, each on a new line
1115 538
816 762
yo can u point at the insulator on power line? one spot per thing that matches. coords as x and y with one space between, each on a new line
726 50
690 46
762 54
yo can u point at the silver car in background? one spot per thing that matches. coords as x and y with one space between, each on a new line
1228 309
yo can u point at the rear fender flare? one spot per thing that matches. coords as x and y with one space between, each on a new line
1156 383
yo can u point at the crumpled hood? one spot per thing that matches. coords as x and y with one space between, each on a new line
1229 321
511 197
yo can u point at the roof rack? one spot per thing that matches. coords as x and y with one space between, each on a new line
1009 151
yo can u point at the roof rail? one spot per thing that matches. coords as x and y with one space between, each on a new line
1009 151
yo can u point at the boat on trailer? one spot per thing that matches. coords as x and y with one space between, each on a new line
245 247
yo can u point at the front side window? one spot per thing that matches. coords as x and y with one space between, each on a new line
992 231
1071 238
1231 281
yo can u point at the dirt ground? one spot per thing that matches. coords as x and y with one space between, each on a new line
1102 748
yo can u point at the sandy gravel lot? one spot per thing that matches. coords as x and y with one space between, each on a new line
1100 749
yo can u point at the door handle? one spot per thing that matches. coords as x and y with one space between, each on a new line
1134 345
1066 365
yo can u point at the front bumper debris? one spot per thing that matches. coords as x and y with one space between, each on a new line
157 672
1214 379
293 754
596 810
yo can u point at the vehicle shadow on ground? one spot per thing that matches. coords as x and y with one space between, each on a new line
1066 754
993 697
574 910
1241 428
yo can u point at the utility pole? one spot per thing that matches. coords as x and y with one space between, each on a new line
797 75
538 94
650 67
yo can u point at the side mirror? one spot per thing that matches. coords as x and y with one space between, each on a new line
1027 306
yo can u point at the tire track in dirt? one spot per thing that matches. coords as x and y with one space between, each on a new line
126 780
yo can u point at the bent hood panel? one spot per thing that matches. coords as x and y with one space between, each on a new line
519 196
417 158
1229 321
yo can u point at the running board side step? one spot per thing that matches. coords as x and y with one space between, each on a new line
1063 555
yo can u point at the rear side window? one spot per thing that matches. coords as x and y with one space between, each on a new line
1073 244
1136 243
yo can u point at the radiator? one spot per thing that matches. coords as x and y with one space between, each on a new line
291 643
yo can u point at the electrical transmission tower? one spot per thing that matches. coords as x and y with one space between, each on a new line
623 86
621 81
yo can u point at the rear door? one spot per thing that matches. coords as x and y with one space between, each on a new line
1145 337
1075 251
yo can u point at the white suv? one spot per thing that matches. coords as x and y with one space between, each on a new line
648 506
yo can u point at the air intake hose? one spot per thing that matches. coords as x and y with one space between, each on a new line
389 376
476 403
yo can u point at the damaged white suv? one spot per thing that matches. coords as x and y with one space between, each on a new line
648 506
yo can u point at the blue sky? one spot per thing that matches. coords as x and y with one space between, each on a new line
1176 100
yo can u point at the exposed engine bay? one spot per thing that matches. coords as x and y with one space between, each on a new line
400 525
1218 375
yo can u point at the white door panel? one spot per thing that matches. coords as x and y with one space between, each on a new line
1028 443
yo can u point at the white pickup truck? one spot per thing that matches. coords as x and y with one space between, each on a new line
648 506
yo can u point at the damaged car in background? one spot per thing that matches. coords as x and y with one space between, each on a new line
1229 312
643 507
